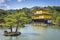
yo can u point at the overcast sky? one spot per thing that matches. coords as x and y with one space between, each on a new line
17 4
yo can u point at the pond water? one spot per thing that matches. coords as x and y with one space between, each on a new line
34 33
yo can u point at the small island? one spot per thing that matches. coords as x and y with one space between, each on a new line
11 33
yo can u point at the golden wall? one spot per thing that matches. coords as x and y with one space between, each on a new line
42 17
41 12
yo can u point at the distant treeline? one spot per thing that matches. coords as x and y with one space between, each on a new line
54 10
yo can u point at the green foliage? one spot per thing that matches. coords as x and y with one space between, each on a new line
58 20
53 10
12 19
9 20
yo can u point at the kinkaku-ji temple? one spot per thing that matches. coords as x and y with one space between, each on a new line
42 16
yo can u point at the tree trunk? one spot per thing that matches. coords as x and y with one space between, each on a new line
17 26
11 28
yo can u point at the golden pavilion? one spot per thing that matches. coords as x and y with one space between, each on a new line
42 16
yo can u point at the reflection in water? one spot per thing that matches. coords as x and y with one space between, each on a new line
31 32
11 38
39 29
55 27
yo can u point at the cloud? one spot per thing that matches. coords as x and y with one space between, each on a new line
3 5
19 0
2 1
7 6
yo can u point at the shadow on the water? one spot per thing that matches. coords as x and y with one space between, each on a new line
10 38
13 38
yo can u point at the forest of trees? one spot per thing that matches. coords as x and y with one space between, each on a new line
23 16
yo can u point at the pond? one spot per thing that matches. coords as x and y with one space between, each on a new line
31 32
